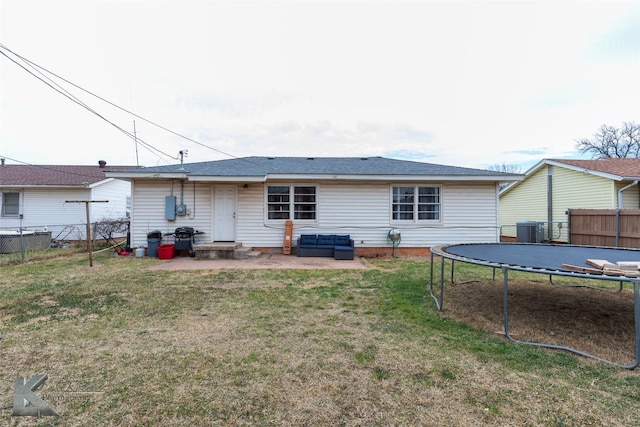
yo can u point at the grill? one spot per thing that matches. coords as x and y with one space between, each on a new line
184 238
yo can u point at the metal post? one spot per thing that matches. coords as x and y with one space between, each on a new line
437 299
431 265
636 324
441 306
452 267
505 302
21 239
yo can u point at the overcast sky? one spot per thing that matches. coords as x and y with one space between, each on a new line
469 83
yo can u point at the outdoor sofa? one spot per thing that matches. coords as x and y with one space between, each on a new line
338 246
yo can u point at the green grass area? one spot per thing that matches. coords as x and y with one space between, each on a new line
125 345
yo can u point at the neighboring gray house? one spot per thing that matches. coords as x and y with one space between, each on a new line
33 197
249 199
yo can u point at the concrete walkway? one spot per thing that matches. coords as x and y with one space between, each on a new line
265 261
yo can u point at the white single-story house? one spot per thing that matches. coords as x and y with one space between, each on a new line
34 197
249 200
553 186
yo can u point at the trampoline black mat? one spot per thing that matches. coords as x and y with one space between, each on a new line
540 256
543 259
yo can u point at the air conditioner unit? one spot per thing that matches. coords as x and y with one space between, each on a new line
529 232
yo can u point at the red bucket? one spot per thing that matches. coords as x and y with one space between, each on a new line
166 251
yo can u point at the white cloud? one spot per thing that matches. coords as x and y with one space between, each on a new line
463 83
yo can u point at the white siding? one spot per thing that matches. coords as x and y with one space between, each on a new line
148 210
469 214
46 208
251 229
116 192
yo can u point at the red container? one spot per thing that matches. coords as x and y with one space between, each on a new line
166 251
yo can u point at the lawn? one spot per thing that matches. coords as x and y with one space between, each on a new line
123 345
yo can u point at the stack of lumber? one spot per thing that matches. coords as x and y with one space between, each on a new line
602 266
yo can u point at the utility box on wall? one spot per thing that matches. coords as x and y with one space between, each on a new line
170 208
181 210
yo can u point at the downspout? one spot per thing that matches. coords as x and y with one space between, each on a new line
618 210
550 201
569 226
617 227
623 189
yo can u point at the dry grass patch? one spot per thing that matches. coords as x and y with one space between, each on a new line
271 347
596 321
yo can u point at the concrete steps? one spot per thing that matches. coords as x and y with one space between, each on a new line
224 250
245 253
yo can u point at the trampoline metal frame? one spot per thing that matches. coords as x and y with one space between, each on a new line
439 297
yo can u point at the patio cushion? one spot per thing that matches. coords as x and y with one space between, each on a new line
326 241
343 252
308 240
342 240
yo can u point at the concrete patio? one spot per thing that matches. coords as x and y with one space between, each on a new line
263 262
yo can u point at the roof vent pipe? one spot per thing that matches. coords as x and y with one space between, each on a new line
102 164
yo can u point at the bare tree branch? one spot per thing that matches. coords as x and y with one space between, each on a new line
109 229
612 142
507 168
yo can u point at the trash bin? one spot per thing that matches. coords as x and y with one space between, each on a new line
153 242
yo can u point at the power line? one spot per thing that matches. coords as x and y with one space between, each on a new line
71 97
32 64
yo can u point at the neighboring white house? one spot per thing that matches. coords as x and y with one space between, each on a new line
34 197
249 199
553 186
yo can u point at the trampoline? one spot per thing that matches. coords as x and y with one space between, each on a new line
553 260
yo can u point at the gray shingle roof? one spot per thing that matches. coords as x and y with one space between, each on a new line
261 166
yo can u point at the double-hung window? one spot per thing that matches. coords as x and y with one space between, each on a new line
278 202
291 202
415 203
10 204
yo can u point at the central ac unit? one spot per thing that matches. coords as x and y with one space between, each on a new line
529 232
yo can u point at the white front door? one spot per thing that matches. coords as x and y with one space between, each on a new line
224 214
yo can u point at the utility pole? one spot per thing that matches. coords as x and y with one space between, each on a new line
135 141
86 203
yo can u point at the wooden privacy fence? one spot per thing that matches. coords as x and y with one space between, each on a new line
605 227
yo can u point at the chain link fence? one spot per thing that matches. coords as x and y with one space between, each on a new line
41 242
